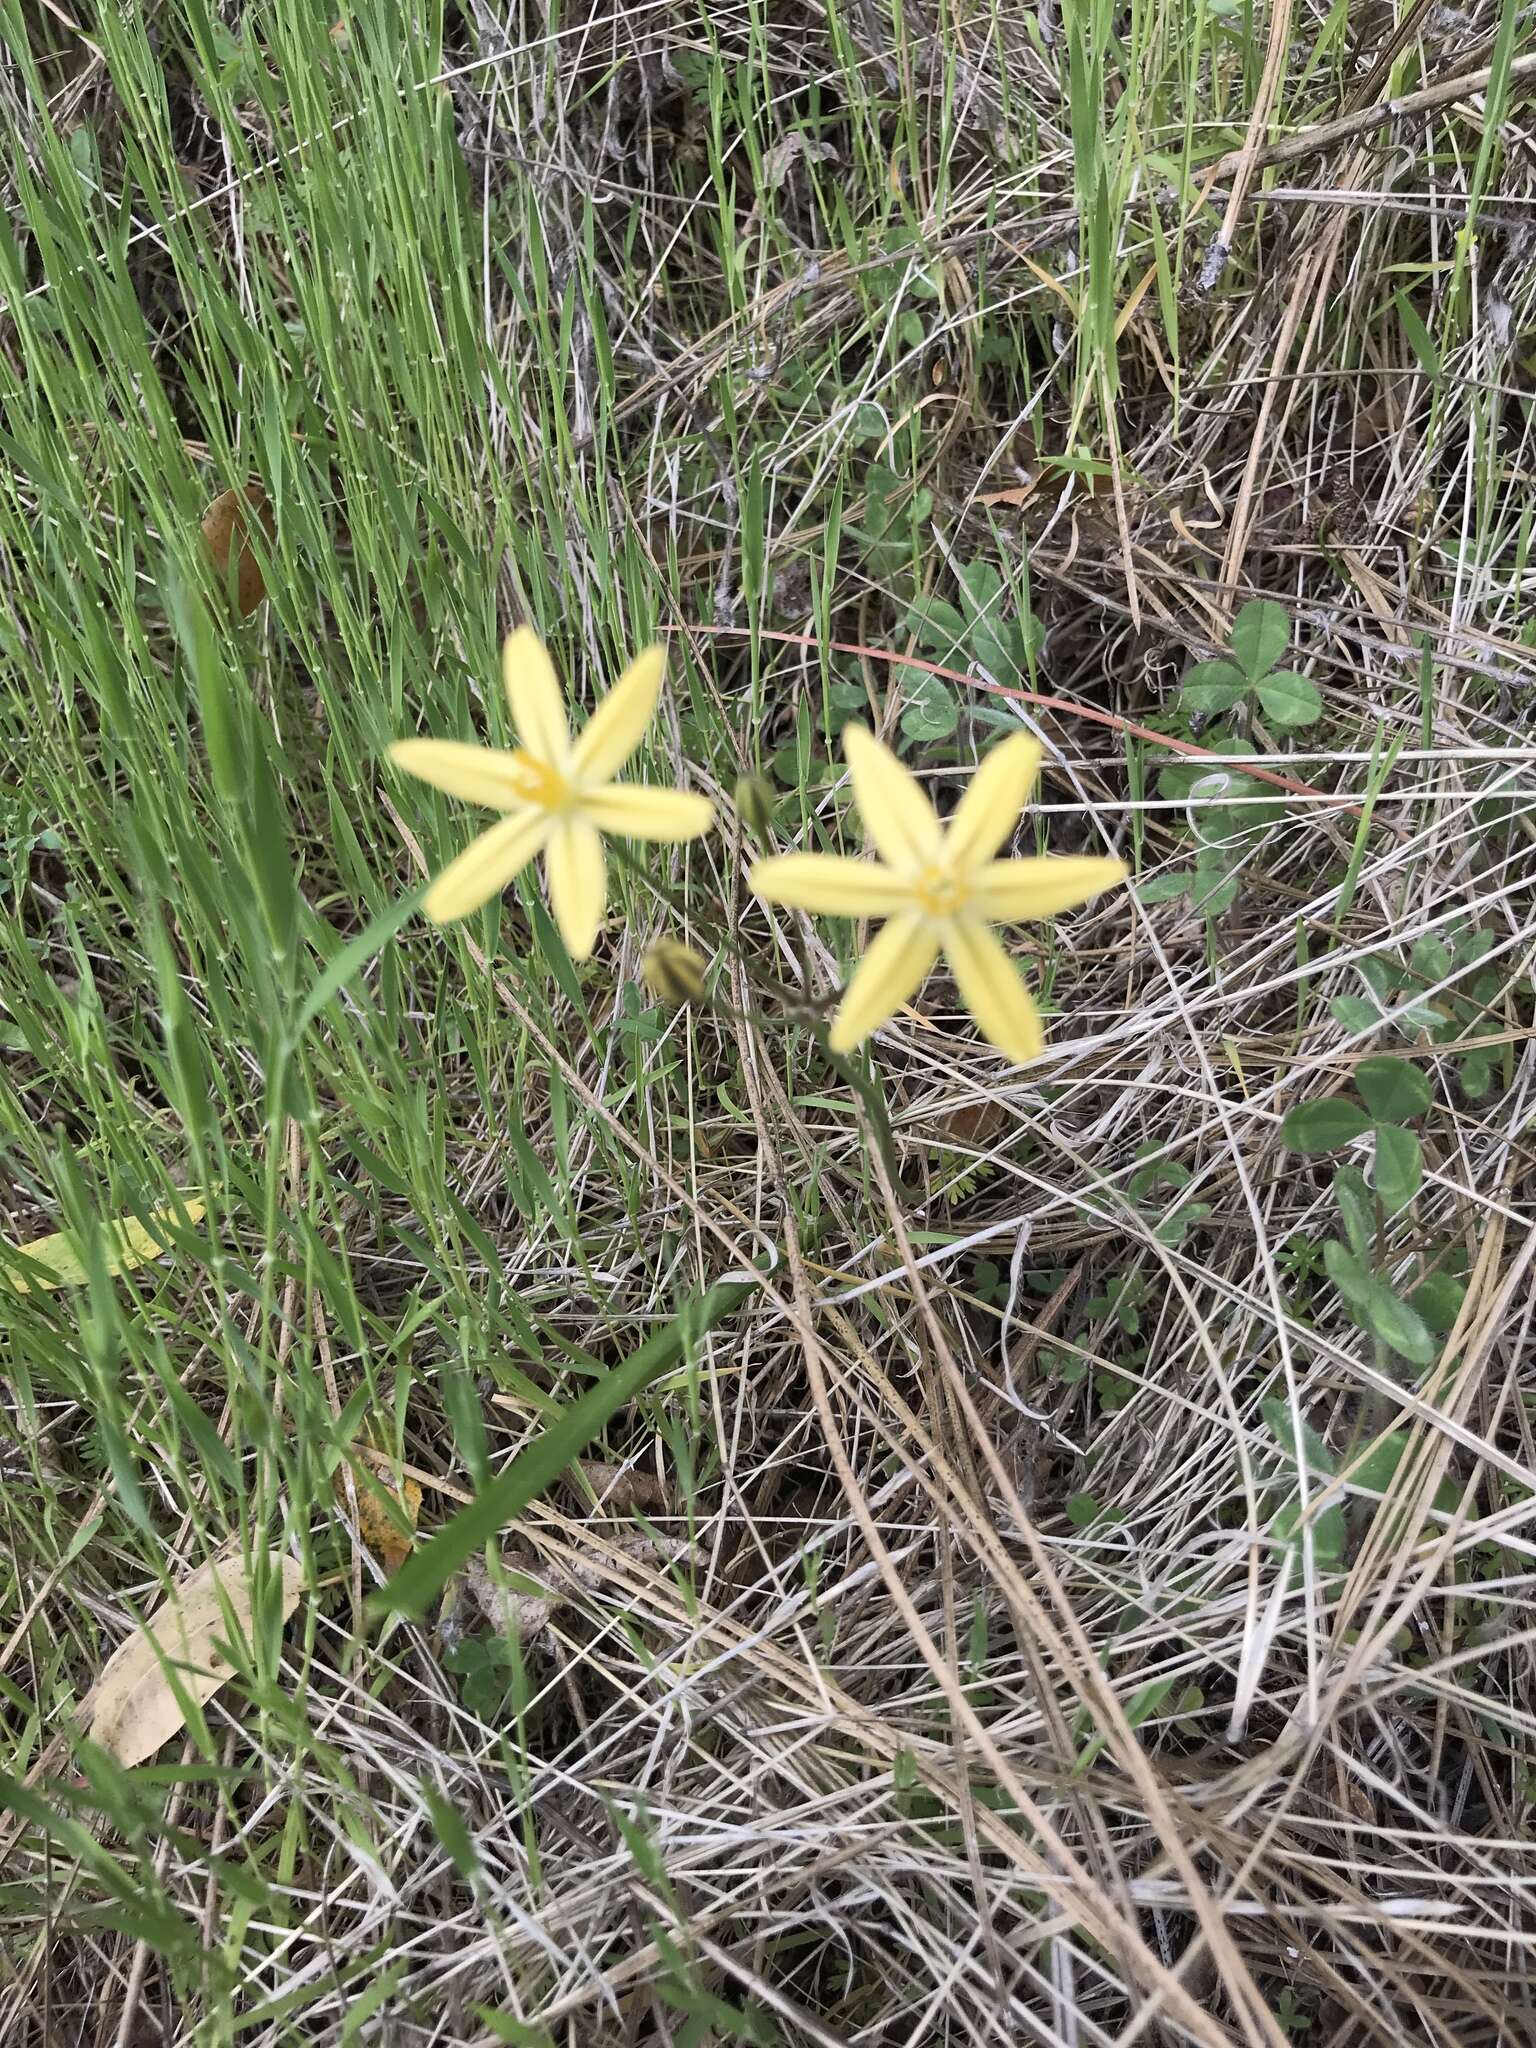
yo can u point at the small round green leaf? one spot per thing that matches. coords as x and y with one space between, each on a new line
1394 1089
936 624
1399 1167
981 587
1213 686
1324 1126
1260 635
1431 957
930 712
1163 888
1355 1013
1289 699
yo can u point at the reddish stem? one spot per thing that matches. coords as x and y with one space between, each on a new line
1089 711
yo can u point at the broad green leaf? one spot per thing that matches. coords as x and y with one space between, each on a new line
1163 888
1399 1167
1348 1274
1431 957
936 625
1415 1017
1177 781
1324 1126
1213 686
883 491
1394 1089
428 1569
1477 1074
999 646
1215 885
1378 1468
1328 1531
1438 1300
1376 1308
1186 780
930 712
1178 1223
1380 976
1156 1174
1355 1013
1277 1413
516 2032
1357 1209
1289 699
1229 825
129 1243
981 590
1261 632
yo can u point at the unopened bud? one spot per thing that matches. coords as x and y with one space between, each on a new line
674 973
754 804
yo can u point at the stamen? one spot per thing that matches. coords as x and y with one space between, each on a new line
938 893
536 782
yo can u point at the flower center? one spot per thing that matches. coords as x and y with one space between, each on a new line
536 782
938 893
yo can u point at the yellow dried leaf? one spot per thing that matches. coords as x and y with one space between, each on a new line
381 1505
130 1243
226 531
133 1709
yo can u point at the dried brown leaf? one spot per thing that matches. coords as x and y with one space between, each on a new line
134 1708
129 1245
620 1489
226 529
974 1123
381 1504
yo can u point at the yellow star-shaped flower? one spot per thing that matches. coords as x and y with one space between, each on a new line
559 793
938 888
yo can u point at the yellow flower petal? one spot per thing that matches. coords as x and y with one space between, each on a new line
994 797
637 812
897 816
480 775
578 883
898 957
991 990
486 866
1006 889
830 884
538 709
618 724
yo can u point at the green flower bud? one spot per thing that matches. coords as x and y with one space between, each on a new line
674 973
754 804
